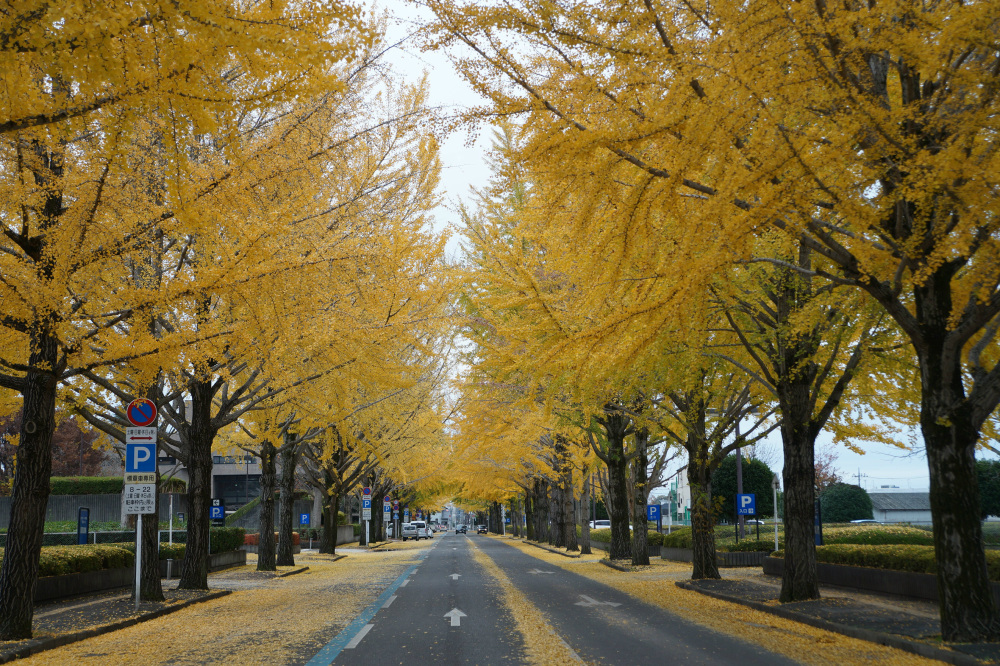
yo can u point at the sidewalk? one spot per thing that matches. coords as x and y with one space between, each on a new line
63 622
905 624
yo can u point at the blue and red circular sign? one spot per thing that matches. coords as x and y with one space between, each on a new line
141 412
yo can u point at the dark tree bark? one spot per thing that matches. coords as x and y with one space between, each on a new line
194 568
266 556
704 564
529 516
328 541
799 580
616 428
150 588
286 497
30 493
585 518
640 536
542 510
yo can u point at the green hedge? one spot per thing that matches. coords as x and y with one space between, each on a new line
875 535
59 560
678 538
168 551
227 538
86 485
916 559
752 546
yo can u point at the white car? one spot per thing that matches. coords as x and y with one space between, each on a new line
600 524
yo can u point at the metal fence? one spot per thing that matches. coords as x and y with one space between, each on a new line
103 508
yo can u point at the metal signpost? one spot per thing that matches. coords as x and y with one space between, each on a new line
746 505
653 513
386 507
366 510
775 484
139 492
395 517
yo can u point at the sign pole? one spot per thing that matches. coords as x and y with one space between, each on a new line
138 558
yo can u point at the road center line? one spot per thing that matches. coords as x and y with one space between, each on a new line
357 637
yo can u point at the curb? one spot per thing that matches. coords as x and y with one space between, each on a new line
620 567
551 550
286 574
913 647
36 645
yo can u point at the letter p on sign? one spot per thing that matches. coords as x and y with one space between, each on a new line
140 457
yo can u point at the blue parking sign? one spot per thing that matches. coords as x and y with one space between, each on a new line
303 519
653 512
217 512
746 505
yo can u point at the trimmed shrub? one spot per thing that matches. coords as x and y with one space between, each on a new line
603 536
678 538
168 551
751 546
915 559
60 560
874 535
254 539
224 539
86 485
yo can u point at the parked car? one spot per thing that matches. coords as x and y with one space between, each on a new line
481 529
422 531
866 520
461 529
753 521
408 531
600 524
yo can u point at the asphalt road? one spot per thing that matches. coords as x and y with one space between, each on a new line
446 610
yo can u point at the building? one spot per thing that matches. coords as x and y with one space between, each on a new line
891 505
679 492
235 479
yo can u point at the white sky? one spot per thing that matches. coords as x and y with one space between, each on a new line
464 166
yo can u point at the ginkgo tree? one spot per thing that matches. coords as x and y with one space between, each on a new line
863 132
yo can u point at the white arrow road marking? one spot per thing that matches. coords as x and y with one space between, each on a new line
588 601
358 636
539 571
454 576
456 616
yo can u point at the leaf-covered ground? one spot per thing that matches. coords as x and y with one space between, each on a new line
267 620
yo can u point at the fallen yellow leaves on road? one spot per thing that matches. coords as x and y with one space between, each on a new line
281 621
543 645
655 584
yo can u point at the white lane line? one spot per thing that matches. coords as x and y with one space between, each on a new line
389 601
357 637
404 583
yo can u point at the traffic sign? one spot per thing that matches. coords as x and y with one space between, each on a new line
139 498
141 412
367 491
137 435
746 505
653 512
303 519
217 512
140 458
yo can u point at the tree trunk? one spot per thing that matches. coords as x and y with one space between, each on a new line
640 536
30 493
558 514
265 542
286 498
150 588
568 513
585 518
194 568
529 516
799 581
704 564
621 547
328 539
542 511
968 610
